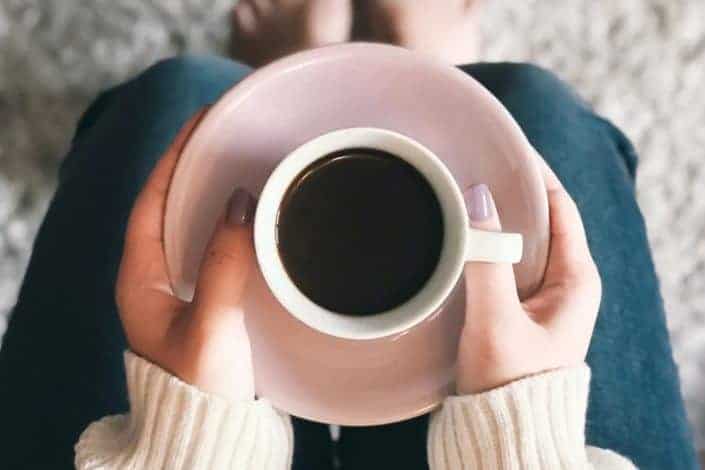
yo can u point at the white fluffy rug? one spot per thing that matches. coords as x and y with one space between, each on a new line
641 62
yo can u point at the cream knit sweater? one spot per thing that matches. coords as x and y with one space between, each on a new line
534 423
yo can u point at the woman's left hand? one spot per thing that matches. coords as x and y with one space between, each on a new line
505 339
203 342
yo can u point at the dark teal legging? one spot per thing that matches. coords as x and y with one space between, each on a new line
61 361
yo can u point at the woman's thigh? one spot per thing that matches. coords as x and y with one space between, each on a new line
61 360
635 402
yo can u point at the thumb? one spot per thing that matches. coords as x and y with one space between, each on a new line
490 287
228 260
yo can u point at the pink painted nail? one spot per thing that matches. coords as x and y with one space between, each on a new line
241 208
481 206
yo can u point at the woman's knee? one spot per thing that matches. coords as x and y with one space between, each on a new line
202 76
182 81
554 117
536 81
137 119
193 67
528 90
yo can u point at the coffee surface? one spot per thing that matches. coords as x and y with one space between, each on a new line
360 231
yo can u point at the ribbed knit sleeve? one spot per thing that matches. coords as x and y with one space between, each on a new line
173 425
534 423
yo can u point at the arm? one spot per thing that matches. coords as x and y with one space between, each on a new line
522 380
189 371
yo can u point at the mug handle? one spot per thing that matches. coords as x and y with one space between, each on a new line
493 247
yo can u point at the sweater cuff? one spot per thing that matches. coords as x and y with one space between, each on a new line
173 425
534 423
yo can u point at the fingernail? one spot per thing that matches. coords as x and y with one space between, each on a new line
480 203
241 208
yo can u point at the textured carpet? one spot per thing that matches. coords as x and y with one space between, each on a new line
640 62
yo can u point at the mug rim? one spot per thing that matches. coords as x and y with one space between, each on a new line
426 300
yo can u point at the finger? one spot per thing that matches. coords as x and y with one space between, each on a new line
490 287
146 219
569 252
227 262
549 177
142 278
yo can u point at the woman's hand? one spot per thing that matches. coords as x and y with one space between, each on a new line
504 339
203 342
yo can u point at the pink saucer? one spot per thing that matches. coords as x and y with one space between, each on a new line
278 108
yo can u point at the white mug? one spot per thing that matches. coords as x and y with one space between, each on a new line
461 243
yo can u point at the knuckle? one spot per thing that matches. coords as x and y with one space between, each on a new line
570 203
122 295
581 267
566 205
590 276
596 280
495 353
491 342
492 346
584 280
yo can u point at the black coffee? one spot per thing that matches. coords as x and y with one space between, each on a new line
360 231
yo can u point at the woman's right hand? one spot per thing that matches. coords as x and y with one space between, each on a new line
203 342
505 339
